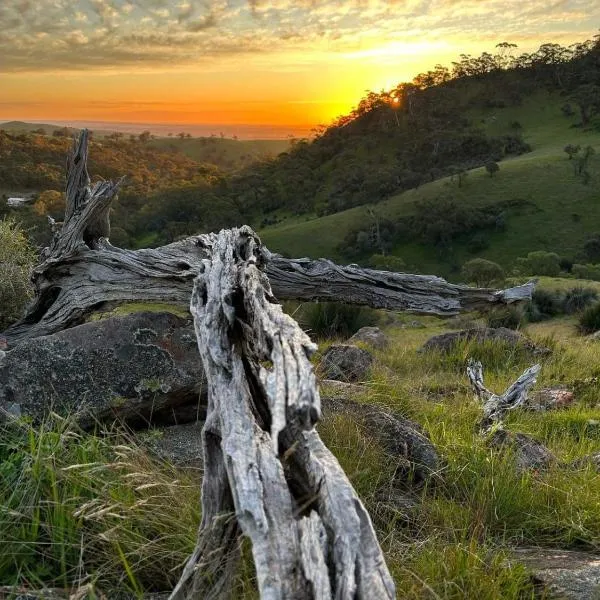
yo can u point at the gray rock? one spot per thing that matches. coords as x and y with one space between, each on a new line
528 452
591 460
550 399
373 336
180 445
346 362
405 440
138 367
565 574
446 341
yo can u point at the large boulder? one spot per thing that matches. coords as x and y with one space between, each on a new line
138 367
346 362
446 341
372 336
566 574
416 457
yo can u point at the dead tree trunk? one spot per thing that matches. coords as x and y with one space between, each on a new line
82 270
311 536
495 407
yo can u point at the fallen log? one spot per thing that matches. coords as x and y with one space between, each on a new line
81 270
264 462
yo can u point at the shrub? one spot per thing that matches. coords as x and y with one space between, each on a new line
588 271
17 258
541 263
509 317
334 319
544 305
482 272
478 243
589 321
579 298
387 263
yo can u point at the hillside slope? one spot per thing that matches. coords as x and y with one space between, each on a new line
556 210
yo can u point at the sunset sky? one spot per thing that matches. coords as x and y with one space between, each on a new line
276 62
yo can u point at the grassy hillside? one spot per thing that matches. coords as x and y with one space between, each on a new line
107 507
561 210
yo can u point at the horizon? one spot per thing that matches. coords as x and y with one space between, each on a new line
275 64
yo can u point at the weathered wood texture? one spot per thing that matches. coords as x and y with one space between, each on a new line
311 536
82 270
495 407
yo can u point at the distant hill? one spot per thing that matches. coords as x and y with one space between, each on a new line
544 204
226 153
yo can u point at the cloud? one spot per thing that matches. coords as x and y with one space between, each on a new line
46 35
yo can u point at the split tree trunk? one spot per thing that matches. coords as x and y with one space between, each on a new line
82 270
311 536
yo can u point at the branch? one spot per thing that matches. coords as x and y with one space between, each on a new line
495 407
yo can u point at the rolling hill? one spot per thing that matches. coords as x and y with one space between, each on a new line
554 209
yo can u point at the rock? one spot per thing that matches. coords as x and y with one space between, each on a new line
529 453
138 367
373 336
550 399
402 438
446 341
591 460
330 388
180 445
594 337
565 574
346 362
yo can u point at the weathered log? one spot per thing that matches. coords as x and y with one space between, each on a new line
311 536
81 270
495 407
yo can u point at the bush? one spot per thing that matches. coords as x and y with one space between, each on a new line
540 263
579 298
509 317
387 263
482 272
589 321
492 167
544 305
17 258
588 271
334 319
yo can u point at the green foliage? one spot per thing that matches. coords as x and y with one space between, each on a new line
17 258
68 498
579 298
589 321
588 271
387 263
509 317
540 263
492 167
482 272
334 319
572 150
544 304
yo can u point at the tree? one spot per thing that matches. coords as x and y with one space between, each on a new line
587 98
145 136
50 202
541 263
17 258
482 272
572 150
492 167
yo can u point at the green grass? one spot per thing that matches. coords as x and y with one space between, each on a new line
563 213
83 509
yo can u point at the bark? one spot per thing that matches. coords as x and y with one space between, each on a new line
495 407
81 270
311 536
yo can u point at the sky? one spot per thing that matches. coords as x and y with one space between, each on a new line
285 64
